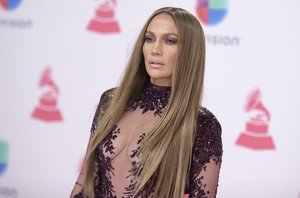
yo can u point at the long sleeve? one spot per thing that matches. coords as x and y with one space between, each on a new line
104 99
206 157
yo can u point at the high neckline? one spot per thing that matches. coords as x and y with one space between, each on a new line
154 98
151 84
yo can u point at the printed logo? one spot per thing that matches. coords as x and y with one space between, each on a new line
8 192
7 21
211 12
10 4
104 21
3 156
47 108
256 134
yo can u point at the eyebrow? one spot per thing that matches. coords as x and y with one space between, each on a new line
165 34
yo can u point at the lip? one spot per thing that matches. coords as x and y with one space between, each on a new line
156 64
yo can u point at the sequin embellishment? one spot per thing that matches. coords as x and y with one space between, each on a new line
207 148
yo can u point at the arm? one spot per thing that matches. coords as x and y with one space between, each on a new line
105 98
207 157
80 180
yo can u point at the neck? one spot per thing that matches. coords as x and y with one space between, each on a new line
161 82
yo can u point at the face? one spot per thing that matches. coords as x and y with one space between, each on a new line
160 49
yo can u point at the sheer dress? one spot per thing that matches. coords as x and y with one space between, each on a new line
117 163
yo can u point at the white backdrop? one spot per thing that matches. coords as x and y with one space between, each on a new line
53 71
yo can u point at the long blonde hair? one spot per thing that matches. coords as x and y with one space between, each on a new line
167 150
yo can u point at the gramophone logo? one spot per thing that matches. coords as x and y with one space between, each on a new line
104 21
256 134
3 156
47 109
211 12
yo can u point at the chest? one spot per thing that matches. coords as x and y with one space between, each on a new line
123 141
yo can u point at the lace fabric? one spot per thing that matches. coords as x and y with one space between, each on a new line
117 163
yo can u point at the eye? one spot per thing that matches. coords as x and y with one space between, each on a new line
171 41
149 39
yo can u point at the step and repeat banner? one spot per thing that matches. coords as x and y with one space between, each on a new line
57 57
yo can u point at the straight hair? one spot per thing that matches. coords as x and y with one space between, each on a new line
166 151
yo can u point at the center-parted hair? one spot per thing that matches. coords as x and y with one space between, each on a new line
166 151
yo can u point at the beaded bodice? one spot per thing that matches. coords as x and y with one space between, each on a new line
117 164
155 98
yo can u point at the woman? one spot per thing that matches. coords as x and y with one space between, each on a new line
150 137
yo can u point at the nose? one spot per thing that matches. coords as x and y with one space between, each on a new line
156 50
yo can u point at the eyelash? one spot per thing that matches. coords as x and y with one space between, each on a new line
149 39
171 41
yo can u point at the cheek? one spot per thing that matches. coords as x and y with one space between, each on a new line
145 50
172 57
